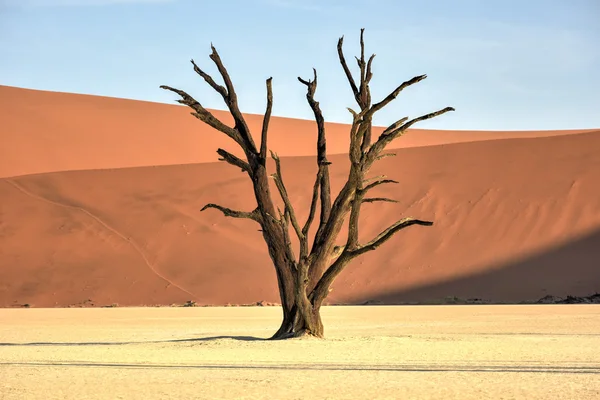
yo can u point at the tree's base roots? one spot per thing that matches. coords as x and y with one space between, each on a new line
299 334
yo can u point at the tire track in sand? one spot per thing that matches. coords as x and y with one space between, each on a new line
137 248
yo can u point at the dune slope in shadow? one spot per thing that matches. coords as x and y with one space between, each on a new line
560 270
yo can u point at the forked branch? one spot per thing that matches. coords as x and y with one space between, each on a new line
386 137
204 115
218 88
240 133
362 92
232 103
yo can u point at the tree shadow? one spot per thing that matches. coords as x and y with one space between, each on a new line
190 340
572 268
404 367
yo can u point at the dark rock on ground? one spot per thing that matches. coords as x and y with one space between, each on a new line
592 299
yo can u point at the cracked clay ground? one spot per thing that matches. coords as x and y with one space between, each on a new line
376 352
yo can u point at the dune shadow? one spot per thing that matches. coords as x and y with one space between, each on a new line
572 268
190 340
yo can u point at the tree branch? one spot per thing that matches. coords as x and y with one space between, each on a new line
393 126
377 183
337 251
375 178
311 86
366 136
421 118
362 65
313 208
384 155
360 138
352 195
232 103
204 115
352 240
355 152
384 139
233 160
378 106
374 199
266 119
228 212
218 88
369 74
362 50
289 208
347 70
387 234
322 162
322 287
284 222
321 290
328 229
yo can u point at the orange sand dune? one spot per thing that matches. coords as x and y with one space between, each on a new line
515 219
48 131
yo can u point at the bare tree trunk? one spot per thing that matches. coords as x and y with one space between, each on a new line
298 322
304 318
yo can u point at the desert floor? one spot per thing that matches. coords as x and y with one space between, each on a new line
387 352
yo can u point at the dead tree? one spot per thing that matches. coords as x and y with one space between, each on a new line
305 279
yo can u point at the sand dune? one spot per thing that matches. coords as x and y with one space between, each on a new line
135 236
48 131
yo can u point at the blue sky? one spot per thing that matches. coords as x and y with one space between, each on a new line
504 65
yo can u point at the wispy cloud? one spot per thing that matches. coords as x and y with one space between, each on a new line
28 4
